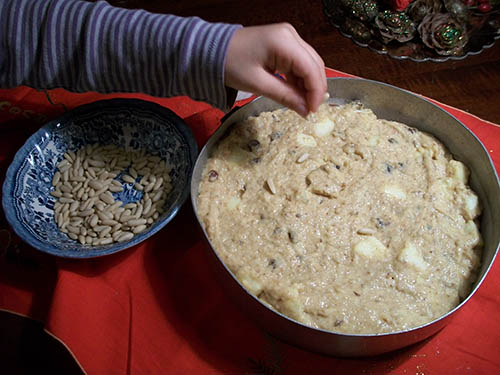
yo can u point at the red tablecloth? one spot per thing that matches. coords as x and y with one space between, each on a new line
156 308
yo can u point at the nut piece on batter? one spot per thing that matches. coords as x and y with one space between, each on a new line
341 220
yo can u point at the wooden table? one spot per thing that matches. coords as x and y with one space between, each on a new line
472 84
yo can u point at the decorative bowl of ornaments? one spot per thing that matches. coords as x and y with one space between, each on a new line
418 30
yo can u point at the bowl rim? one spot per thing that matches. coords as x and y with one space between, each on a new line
226 124
30 143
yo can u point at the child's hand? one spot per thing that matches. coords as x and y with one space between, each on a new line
256 53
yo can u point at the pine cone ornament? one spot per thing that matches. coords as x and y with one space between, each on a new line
357 29
458 10
418 9
394 26
443 33
364 10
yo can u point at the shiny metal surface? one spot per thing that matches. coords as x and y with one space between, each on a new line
390 103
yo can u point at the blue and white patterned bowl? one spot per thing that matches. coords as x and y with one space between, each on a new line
127 123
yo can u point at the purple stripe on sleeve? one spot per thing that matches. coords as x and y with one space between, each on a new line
172 51
143 36
51 56
64 75
104 45
38 78
157 49
30 40
10 54
206 33
217 54
116 44
77 51
72 63
20 40
91 55
4 45
134 48
224 45
15 27
190 59
205 90
5 56
125 62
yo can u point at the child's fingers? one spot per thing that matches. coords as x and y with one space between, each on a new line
256 53
314 55
302 65
282 91
317 98
314 98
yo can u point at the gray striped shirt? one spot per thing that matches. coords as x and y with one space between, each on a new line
83 46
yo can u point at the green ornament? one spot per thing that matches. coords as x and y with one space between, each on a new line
357 29
396 20
395 26
448 35
364 10
444 34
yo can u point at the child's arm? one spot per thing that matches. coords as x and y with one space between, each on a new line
83 46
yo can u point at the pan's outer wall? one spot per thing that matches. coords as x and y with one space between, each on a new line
390 103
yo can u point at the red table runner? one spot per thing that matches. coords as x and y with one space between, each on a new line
156 308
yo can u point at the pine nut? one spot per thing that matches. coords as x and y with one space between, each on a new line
85 208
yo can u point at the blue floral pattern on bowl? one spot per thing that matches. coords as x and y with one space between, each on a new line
128 123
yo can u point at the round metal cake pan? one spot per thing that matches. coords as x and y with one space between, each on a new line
391 103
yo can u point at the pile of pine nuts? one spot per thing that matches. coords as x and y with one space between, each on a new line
85 208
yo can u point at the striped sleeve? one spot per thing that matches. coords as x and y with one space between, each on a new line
83 46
